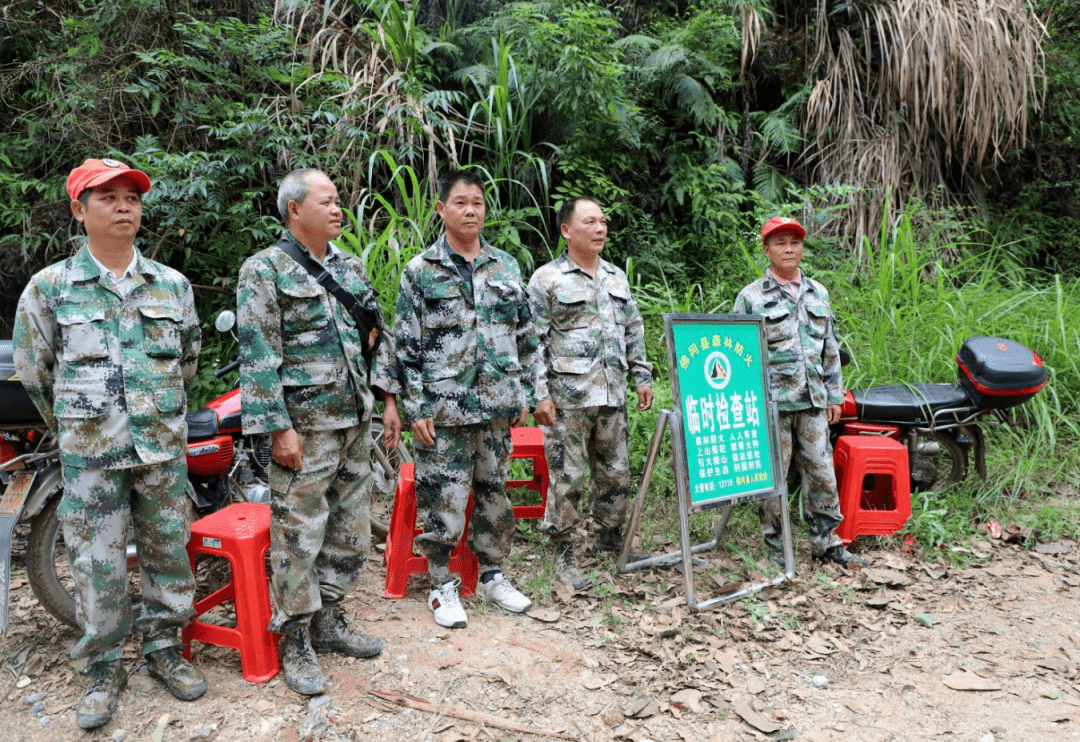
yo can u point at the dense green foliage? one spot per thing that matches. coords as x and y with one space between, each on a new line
680 117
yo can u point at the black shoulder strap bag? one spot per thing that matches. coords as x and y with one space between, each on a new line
366 319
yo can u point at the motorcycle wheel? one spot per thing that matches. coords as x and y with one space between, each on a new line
384 465
939 463
47 566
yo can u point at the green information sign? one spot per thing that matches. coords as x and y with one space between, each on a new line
724 419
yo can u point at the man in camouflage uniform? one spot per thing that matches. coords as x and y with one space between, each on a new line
591 336
464 335
304 380
104 343
804 375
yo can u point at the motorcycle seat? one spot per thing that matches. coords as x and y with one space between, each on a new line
16 407
914 403
201 424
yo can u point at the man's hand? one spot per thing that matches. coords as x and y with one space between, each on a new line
544 414
520 419
834 414
287 450
391 423
424 431
644 397
372 337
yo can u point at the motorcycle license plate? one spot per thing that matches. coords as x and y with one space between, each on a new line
15 495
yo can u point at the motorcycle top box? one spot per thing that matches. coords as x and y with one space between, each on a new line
998 373
16 407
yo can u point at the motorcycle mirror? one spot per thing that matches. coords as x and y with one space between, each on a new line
225 321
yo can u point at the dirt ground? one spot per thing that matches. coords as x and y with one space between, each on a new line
904 651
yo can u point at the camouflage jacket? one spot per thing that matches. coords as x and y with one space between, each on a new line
590 332
106 372
804 355
300 360
465 359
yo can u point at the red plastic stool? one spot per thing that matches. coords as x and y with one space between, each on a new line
241 534
874 483
529 444
399 558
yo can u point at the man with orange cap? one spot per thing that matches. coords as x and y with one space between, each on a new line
104 343
804 375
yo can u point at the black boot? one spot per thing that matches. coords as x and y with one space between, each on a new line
843 557
299 663
106 680
607 541
566 566
331 633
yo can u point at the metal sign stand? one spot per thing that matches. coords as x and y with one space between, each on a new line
687 549
719 380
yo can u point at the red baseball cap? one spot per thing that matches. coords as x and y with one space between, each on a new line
781 222
96 172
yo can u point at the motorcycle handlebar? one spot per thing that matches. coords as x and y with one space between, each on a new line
227 369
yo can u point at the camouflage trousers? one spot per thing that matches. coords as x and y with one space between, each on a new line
320 524
812 455
589 441
99 509
464 457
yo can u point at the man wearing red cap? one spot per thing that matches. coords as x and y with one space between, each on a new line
104 343
804 375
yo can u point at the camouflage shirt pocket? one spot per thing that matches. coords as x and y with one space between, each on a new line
779 324
84 332
80 401
621 303
818 316
444 306
570 310
169 399
302 308
163 330
506 298
312 374
576 366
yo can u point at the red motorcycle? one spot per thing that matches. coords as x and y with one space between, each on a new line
941 423
224 466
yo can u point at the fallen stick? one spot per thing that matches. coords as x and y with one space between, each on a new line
455 712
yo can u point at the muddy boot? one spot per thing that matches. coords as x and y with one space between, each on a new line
608 541
566 566
330 633
184 680
106 680
843 557
299 663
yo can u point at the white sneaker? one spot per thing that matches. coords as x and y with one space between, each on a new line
446 605
503 594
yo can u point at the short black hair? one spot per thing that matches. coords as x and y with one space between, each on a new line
566 210
448 180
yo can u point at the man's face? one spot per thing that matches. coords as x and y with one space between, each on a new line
784 248
319 215
112 212
586 232
463 211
